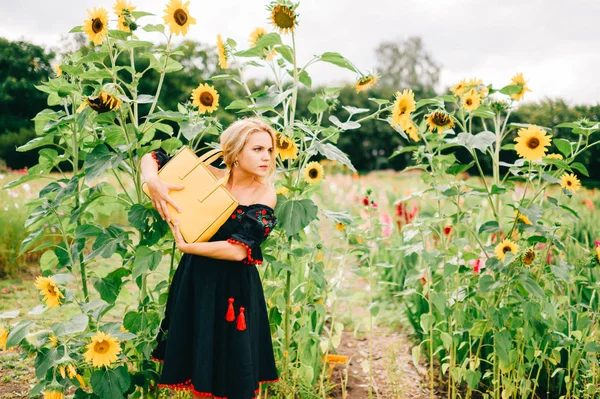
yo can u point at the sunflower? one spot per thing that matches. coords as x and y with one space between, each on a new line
313 172
50 290
459 88
178 17
597 257
123 9
366 82
484 92
3 338
504 247
439 120
58 70
206 98
96 26
528 257
52 338
410 128
473 82
72 372
103 350
340 226
532 143
282 190
555 156
522 218
101 103
222 53
286 147
519 80
283 17
54 392
255 35
403 106
570 182
472 100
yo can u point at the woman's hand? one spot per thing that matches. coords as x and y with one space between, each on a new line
159 194
179 241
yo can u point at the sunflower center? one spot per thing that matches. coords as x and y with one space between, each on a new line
283 17
440 119
313 173
284 144
506 249
180 17
469 101
206 99
533 143
97 25
52 290
569 182
101 347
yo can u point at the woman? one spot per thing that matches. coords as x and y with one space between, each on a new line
215 338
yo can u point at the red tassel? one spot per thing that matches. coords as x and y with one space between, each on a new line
230 313
241 321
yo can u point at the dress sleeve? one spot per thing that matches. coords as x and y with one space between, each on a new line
161 157
257 223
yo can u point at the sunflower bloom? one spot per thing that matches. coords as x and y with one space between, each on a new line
255 35
52 338
528 257
459 89
473 82
598 253
532 143
410 128
522 218
403 106
283 18
484 92
340 226
282 190
122 9
286 147
555 156
96 26
206 98
519 80
54 392
177 16
3 338
101 103
439 120
313 172
222 53
570 182
504 247
50 290
58 70
103 350
472 100
366 82
72 372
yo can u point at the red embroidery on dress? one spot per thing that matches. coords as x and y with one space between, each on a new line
188 386
249 260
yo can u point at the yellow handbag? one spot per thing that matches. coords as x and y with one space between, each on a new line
205 203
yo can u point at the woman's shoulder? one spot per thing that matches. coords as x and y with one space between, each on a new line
267 195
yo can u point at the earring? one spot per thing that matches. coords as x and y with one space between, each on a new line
236 163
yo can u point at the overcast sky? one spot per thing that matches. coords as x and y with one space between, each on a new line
555 43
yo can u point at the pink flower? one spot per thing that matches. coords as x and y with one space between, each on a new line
596 243
4 291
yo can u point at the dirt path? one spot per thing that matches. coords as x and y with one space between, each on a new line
394 373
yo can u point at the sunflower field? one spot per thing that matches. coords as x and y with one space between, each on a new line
497 275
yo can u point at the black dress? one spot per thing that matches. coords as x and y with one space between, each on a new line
215 337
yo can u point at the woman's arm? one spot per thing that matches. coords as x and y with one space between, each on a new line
159 190
215 249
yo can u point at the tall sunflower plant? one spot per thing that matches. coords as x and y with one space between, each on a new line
296 301
497 302
100 125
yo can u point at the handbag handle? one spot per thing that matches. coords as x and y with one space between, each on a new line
221 182
209 154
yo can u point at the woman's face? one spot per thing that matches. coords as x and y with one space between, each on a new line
256 155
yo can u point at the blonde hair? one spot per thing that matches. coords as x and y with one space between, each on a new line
234 138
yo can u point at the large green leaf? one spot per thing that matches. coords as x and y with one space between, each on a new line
109 287
145 259
337 59
100 160
18 332
111 383
294 215
78 323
